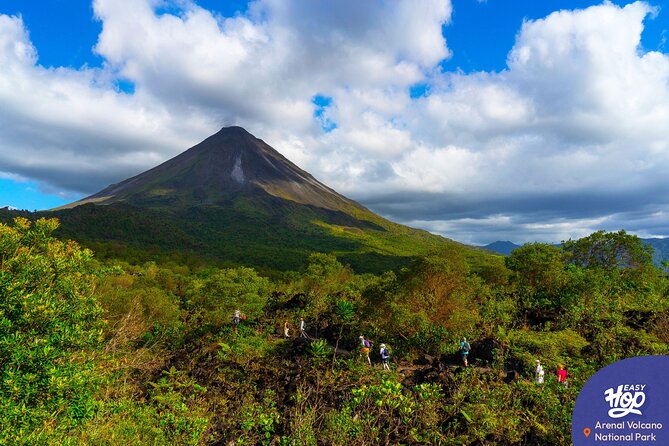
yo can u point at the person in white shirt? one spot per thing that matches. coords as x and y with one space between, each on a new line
302 326
539 373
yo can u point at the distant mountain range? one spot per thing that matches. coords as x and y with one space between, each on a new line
233 199
501 247
660 248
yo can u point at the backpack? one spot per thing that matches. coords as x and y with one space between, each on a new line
384 353
466 347
367 343
243 316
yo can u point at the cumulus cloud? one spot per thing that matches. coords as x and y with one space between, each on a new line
69 128
263 69
570 137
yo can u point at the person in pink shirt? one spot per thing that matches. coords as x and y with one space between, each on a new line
562 375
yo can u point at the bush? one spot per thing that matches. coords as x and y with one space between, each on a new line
49 326
552 348
319 349
219 293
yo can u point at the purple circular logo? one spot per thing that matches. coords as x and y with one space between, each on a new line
625 403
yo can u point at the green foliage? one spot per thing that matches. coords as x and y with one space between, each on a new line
217 294
483 410
179 400
609 250
323 278
431 339
49 328
319 349
243 347
499 311
430 303
323 266
344 310
342 427
174 370
540 279
553 348
142 299
175 412
439 292
259 420
386 406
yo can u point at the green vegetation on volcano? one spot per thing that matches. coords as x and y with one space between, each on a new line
265 232
234 200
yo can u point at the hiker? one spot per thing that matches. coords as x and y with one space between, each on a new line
385 356
286 327
237 317
365 346
538 373
303 334
464 350
562 375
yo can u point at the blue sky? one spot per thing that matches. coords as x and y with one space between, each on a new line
480 34
428 112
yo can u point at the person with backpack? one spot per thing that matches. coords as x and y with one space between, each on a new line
385 356
237 317
365 346
464 351
538 373
286 328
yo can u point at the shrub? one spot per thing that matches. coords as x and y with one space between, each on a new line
219 293
49 326
552 348
319 349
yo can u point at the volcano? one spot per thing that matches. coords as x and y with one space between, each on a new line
228 164
234 200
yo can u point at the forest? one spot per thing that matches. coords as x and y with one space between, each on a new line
115 351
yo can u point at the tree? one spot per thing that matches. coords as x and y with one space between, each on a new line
540 278
436 287
49 326
609 250
222 292
324 278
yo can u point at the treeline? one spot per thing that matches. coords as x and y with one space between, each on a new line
115 353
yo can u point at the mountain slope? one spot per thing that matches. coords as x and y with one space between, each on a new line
660 249
226 164
233 199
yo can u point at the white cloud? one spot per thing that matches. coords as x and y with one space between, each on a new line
265 68
579 108
69 127
576 124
